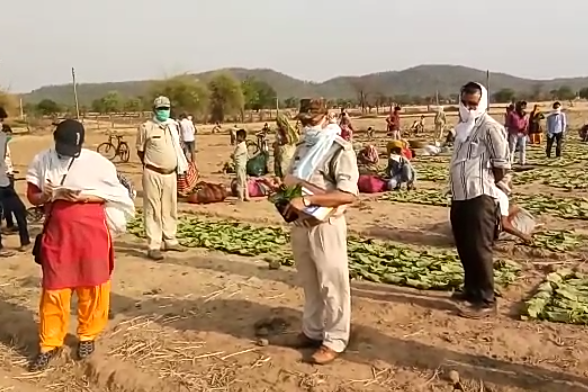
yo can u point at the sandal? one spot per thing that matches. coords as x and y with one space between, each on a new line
85 349
42 360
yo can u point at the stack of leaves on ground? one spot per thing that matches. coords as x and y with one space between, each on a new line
561 298
558 241
428 172
368 259
564 179
563 207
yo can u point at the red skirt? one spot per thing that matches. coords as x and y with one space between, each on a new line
76 248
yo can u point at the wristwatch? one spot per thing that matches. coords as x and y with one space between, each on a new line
306 202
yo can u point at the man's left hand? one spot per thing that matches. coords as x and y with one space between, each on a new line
296 205
71 196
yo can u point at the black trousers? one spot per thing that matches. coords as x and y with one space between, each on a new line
558 138
12 204
7 213
474 225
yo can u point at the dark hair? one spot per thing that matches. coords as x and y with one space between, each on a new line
397 108
241 133
556 104
471 88
6 129
3 113
396 150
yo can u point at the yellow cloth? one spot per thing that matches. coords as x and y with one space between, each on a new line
392 144
93 305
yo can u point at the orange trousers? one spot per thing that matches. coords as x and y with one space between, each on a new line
93 305
535 138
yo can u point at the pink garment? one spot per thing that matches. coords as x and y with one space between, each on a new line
517 123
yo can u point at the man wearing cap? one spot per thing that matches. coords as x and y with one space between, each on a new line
327 161
9 199
158 147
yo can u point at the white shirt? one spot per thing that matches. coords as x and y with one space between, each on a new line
503 202
4 181
8 162
187 130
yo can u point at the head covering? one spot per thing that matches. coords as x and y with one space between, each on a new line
69 137
440 109
312 109
289 131
161 102
468 117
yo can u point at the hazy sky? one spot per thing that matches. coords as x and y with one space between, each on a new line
115 40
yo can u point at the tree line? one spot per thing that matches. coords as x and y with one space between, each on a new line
223 95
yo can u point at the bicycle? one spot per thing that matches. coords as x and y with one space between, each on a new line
115 147
260 145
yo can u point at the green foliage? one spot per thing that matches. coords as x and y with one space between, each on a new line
504 95
186 94
48 107
226 96
368 259
583 93
561 298
110 103
258 94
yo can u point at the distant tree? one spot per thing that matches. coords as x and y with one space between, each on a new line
536 93
583 93
291 102
133 105
185 92
361 93
504 95
226 96
565 93
110 103
258 94
47 107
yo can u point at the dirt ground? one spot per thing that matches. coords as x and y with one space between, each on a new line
186 324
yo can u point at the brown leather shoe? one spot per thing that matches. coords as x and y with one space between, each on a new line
303 341
477 311
323 356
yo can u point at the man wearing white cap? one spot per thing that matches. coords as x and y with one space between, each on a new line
158 147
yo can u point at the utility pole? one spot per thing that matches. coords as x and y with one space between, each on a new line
21 109
75 91
488 83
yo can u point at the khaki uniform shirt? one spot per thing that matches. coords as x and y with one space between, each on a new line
337 172
156 142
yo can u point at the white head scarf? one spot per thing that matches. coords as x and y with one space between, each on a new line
440 109
468 118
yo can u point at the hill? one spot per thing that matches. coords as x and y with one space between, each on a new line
423 80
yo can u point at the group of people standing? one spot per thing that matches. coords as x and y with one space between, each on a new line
523 128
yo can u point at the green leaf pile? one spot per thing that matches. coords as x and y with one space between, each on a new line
564 179
563 207
368 259
557 241
431 172
561 298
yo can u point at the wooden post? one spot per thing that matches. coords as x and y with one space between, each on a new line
75 92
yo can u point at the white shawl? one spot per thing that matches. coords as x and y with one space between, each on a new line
93 175
174 128
467 118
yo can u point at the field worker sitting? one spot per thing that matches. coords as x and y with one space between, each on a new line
400 170
508 212
240 157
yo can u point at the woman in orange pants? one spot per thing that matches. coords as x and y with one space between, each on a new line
75 249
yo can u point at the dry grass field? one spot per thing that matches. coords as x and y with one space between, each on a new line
188 323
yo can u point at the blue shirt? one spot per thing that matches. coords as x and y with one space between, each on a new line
556 123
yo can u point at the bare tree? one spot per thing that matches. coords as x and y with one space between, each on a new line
361 93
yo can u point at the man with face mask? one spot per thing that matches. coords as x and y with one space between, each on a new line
159 149
327 161
480 160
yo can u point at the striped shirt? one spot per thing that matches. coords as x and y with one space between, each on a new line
472 162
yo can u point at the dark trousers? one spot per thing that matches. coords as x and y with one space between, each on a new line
7 213
12 204
474 223
558 138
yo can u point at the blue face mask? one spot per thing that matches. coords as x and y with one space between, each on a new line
162 114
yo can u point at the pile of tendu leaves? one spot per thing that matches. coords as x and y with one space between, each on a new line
563 207
561 298
369 259
568 179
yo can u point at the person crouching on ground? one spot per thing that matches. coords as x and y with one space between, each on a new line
327 161
480 159
400 171
240 157
84 204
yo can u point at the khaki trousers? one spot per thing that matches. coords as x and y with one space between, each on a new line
160 208
320 254
242 187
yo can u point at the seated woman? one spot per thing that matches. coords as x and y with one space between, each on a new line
400 171
85 203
